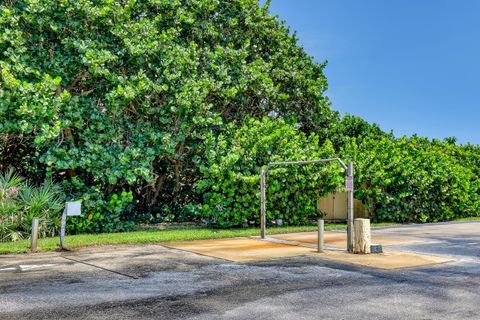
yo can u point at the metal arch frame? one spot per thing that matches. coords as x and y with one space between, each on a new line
263 186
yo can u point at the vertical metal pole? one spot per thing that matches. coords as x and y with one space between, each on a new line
263 218
34 236
320 234
350 210
62 228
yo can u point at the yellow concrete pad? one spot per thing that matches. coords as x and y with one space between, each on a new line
390 259
247 249
339 240
240 249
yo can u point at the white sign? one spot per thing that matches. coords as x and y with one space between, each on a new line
73 208
349 183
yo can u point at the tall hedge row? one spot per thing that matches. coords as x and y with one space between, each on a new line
415 179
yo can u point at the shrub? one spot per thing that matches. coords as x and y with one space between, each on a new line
230 183
102 216
413 180
20 202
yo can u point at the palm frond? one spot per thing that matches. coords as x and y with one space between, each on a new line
10 184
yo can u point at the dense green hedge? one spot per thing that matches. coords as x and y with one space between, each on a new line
415 180
230 184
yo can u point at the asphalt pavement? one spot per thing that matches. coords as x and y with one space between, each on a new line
155 282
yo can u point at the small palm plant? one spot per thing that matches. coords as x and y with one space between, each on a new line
10 186
44 202
20 202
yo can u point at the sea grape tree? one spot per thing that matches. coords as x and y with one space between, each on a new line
120 95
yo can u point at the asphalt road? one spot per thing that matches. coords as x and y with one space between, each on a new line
153 282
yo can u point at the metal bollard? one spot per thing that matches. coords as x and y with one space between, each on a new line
63 224
34 236
320 234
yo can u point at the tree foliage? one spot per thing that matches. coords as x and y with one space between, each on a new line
120 95
414 179
231 186
351 126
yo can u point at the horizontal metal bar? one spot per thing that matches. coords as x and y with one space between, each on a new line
291 163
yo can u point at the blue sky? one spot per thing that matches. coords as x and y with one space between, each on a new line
408 65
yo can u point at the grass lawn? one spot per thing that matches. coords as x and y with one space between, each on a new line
151 236
468 219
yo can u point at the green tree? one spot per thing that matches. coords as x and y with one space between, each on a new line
355 127
120 95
